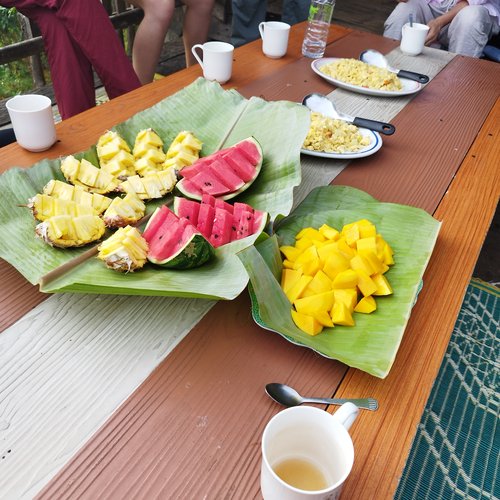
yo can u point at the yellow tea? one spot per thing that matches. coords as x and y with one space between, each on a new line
301 474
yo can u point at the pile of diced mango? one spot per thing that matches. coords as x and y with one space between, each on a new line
328 275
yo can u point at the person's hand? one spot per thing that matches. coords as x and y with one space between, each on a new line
433 33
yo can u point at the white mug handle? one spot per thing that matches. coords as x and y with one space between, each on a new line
195 54
261 29
346 414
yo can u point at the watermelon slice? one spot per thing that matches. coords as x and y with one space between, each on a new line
224 174
174 242
189 210
221 222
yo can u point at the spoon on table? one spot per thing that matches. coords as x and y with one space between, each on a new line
319 103
286 396
375 58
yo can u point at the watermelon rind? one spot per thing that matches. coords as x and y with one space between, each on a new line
181 187
196 252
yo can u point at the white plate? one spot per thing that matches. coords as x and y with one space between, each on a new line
409 86
373 147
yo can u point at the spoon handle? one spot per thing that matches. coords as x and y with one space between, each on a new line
410 75
365 404
383 128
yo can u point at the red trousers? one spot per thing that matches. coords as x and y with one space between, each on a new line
79 36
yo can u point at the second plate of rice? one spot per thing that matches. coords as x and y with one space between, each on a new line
357 76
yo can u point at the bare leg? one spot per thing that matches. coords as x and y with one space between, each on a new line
197 19
150 36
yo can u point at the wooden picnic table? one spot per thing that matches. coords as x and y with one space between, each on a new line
191 427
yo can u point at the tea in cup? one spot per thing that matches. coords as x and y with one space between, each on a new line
413 38
274 36
307 453
32 121
216 60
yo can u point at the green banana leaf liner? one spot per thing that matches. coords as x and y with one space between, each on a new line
371 345
220 119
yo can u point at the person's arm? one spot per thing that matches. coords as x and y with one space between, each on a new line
436 25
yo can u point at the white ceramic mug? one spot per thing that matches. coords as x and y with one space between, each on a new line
274 36
413 38
312 441
32 121
216 61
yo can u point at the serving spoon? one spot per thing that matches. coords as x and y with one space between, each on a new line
287 396
375 58
319 103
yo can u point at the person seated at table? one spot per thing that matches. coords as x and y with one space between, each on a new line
248 14
79 37
463 27
152 30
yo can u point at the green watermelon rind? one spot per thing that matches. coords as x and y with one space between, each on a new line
194 196
196 252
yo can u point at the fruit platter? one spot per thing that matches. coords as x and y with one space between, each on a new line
176 191
366 335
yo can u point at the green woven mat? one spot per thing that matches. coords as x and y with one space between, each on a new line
455 454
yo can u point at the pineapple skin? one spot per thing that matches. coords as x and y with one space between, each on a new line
124 251
65 231
124 211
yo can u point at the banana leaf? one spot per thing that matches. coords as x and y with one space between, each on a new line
219 118
371 345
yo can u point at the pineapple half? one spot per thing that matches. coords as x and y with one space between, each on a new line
124 251
66 231
115 156
184 151
44 206
154 185
148 152
83 173
65 191
124 211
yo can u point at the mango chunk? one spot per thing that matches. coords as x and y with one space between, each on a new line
296 290
345 279
335 264
359 262
314 304
310 233
289 277
365 284
341 315
367 244
329 233
303 243
320 283
366 305
348 296
290 253
383 286
306 323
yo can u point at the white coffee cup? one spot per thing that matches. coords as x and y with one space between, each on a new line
216 61
413 38
32 121
274 36
313 441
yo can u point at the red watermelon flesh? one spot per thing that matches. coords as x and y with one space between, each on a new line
189 209
240 164
245 225
208 199
156 220
192 187
221 169
218 203
206 217
221 230
166 237
206 182
249 150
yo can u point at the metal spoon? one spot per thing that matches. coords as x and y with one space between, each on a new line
377 59
321 104
286 396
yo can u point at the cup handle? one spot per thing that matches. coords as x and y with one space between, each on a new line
261 29
346 414
195 54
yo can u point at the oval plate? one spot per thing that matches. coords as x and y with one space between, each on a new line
409 86
373 147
